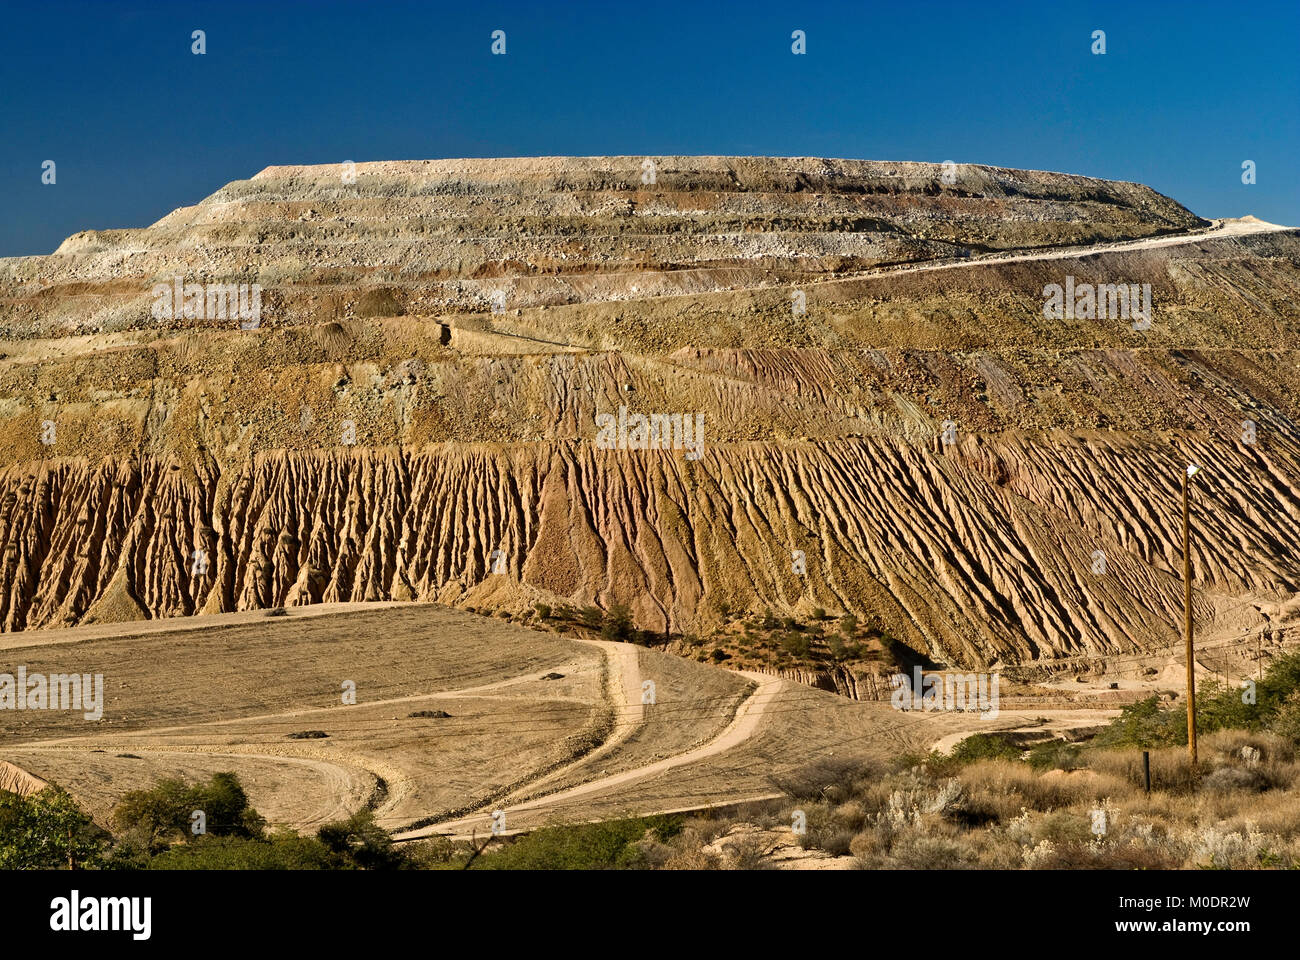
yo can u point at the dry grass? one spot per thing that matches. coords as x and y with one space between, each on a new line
1241 812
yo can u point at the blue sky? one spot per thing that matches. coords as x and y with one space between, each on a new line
138 125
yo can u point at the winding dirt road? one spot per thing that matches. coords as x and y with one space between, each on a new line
741 728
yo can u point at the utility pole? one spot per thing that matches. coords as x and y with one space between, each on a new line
1187 620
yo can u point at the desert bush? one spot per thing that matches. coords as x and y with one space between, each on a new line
434 852
922 852
831 777
866 846
614 844
618 624
850 814
796 645
360 842
1147 724
836 841
1055 755
684 852
1144 724
1236 779
1286 722
984 746
1228 745
1017 783
1214 848
1170 771
1100 855
912 802
285 851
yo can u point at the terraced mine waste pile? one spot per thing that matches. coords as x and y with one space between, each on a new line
434 381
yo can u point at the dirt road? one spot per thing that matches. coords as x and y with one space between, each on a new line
737 732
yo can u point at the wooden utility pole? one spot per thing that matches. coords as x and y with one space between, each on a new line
1187 622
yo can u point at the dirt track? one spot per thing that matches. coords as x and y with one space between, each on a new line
740 729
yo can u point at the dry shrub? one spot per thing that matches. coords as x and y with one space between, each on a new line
866 846
922 852
1241 810
1227 779
1060 827
685 852
830 778
1103 855
1170 771
744 853
1274 813
1226 745
1023 787
851 815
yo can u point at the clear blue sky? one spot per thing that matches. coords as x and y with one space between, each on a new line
138 125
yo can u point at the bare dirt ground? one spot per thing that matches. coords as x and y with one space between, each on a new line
227 693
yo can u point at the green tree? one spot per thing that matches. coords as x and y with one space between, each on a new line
162 814
43 830
618 624
362 843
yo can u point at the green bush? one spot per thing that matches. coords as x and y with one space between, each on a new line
284 851
1147 724
1144 724
40 831
1055 755
360 842
593 846
796 645
618 624
163 812
1286 722
984 746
